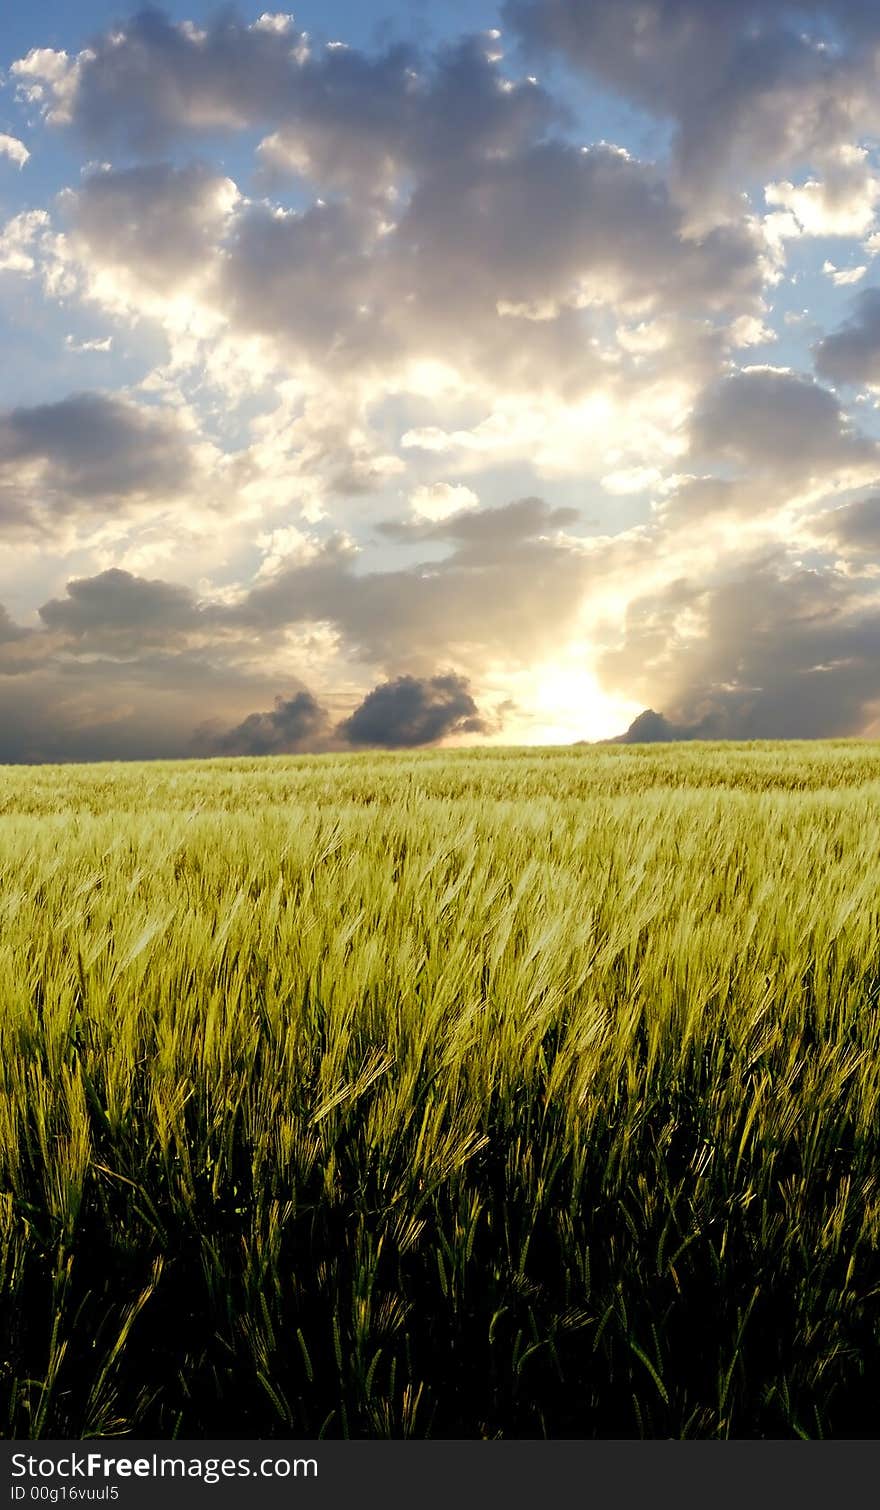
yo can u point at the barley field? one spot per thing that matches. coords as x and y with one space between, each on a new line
500 1093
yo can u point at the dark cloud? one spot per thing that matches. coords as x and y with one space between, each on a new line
558 222
96 444
337 115
651 728
770 421
770 651
746 85
302 278
853 529
99 710
509 583
414 711
122 612
509 587
9 630
149 79
114 697
852 353
294 725
359 122
88 453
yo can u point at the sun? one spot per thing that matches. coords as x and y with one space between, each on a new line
569 704
560 701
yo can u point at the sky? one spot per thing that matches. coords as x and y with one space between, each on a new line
391 375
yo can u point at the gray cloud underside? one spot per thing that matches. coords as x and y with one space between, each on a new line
779 653
505 588
396 715
778 422
851 354
156 81
853 529
769 651
294 725
414 711
88 453
753 83
509 582
459 272
746 86
123 721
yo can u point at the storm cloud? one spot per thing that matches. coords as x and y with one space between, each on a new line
413 711
293 725
651 728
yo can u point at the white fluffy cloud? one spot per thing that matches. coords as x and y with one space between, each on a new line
16 151
843 202
843 277
435 501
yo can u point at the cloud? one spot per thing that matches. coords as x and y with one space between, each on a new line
20 241
9 631
294 725
73 344
492 267
507 584
336 115
851 354
744 87
436 501
756 84
853 528
423 260
90 454
414 711
767 650
488 286
478 536
118 611
452 252
842 277
508 588
153 228
484 242
773 423
651 728
842 203
43 718
12 148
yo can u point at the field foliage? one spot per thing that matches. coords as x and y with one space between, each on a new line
495 1093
